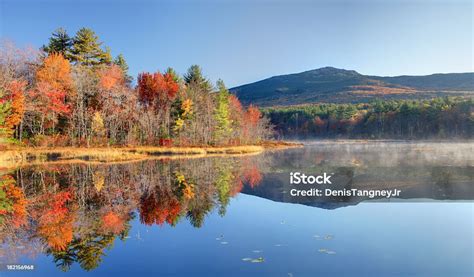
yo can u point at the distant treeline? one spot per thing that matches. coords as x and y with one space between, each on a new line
447 117
72 92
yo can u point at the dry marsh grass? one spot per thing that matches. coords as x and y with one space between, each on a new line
15 157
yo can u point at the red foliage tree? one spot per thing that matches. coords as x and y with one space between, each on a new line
156 89
252 116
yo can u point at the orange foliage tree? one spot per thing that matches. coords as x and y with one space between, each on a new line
15 96
236 112
54 85
251 119
110 77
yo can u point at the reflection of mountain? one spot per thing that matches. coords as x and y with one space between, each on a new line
437 183
423 170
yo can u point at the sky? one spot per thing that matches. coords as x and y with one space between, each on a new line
243 41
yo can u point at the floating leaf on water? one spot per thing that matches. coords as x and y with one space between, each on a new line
246 259
224 242
258 260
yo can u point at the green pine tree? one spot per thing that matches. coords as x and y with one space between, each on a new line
4 112
194 77
106 57
122 63
59 42
222 114
173 73
86 49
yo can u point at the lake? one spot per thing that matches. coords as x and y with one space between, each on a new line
236 215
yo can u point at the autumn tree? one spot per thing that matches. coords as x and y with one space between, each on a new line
111 77
77 93
54 84
156 92
17 63
13 101
84 103
236 115
256 127
118 105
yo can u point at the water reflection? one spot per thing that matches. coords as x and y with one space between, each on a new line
422 171
74 212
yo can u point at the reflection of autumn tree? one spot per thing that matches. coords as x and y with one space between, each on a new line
75 211
56 219
113 222
251 173
158 207
12 203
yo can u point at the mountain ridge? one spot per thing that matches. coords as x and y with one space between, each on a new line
330 84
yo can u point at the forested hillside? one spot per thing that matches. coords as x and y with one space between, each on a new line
401 119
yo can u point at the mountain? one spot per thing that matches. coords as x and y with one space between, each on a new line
329 84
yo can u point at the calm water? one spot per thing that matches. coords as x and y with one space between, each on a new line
235 216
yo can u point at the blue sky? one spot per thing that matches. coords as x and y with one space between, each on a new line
245 41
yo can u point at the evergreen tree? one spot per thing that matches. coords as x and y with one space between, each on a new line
222 115
174 74
86 49
122 63
59 42
4 112
106 57
194 77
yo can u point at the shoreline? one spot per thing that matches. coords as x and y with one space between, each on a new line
24 156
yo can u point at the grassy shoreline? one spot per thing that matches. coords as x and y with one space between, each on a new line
16 157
